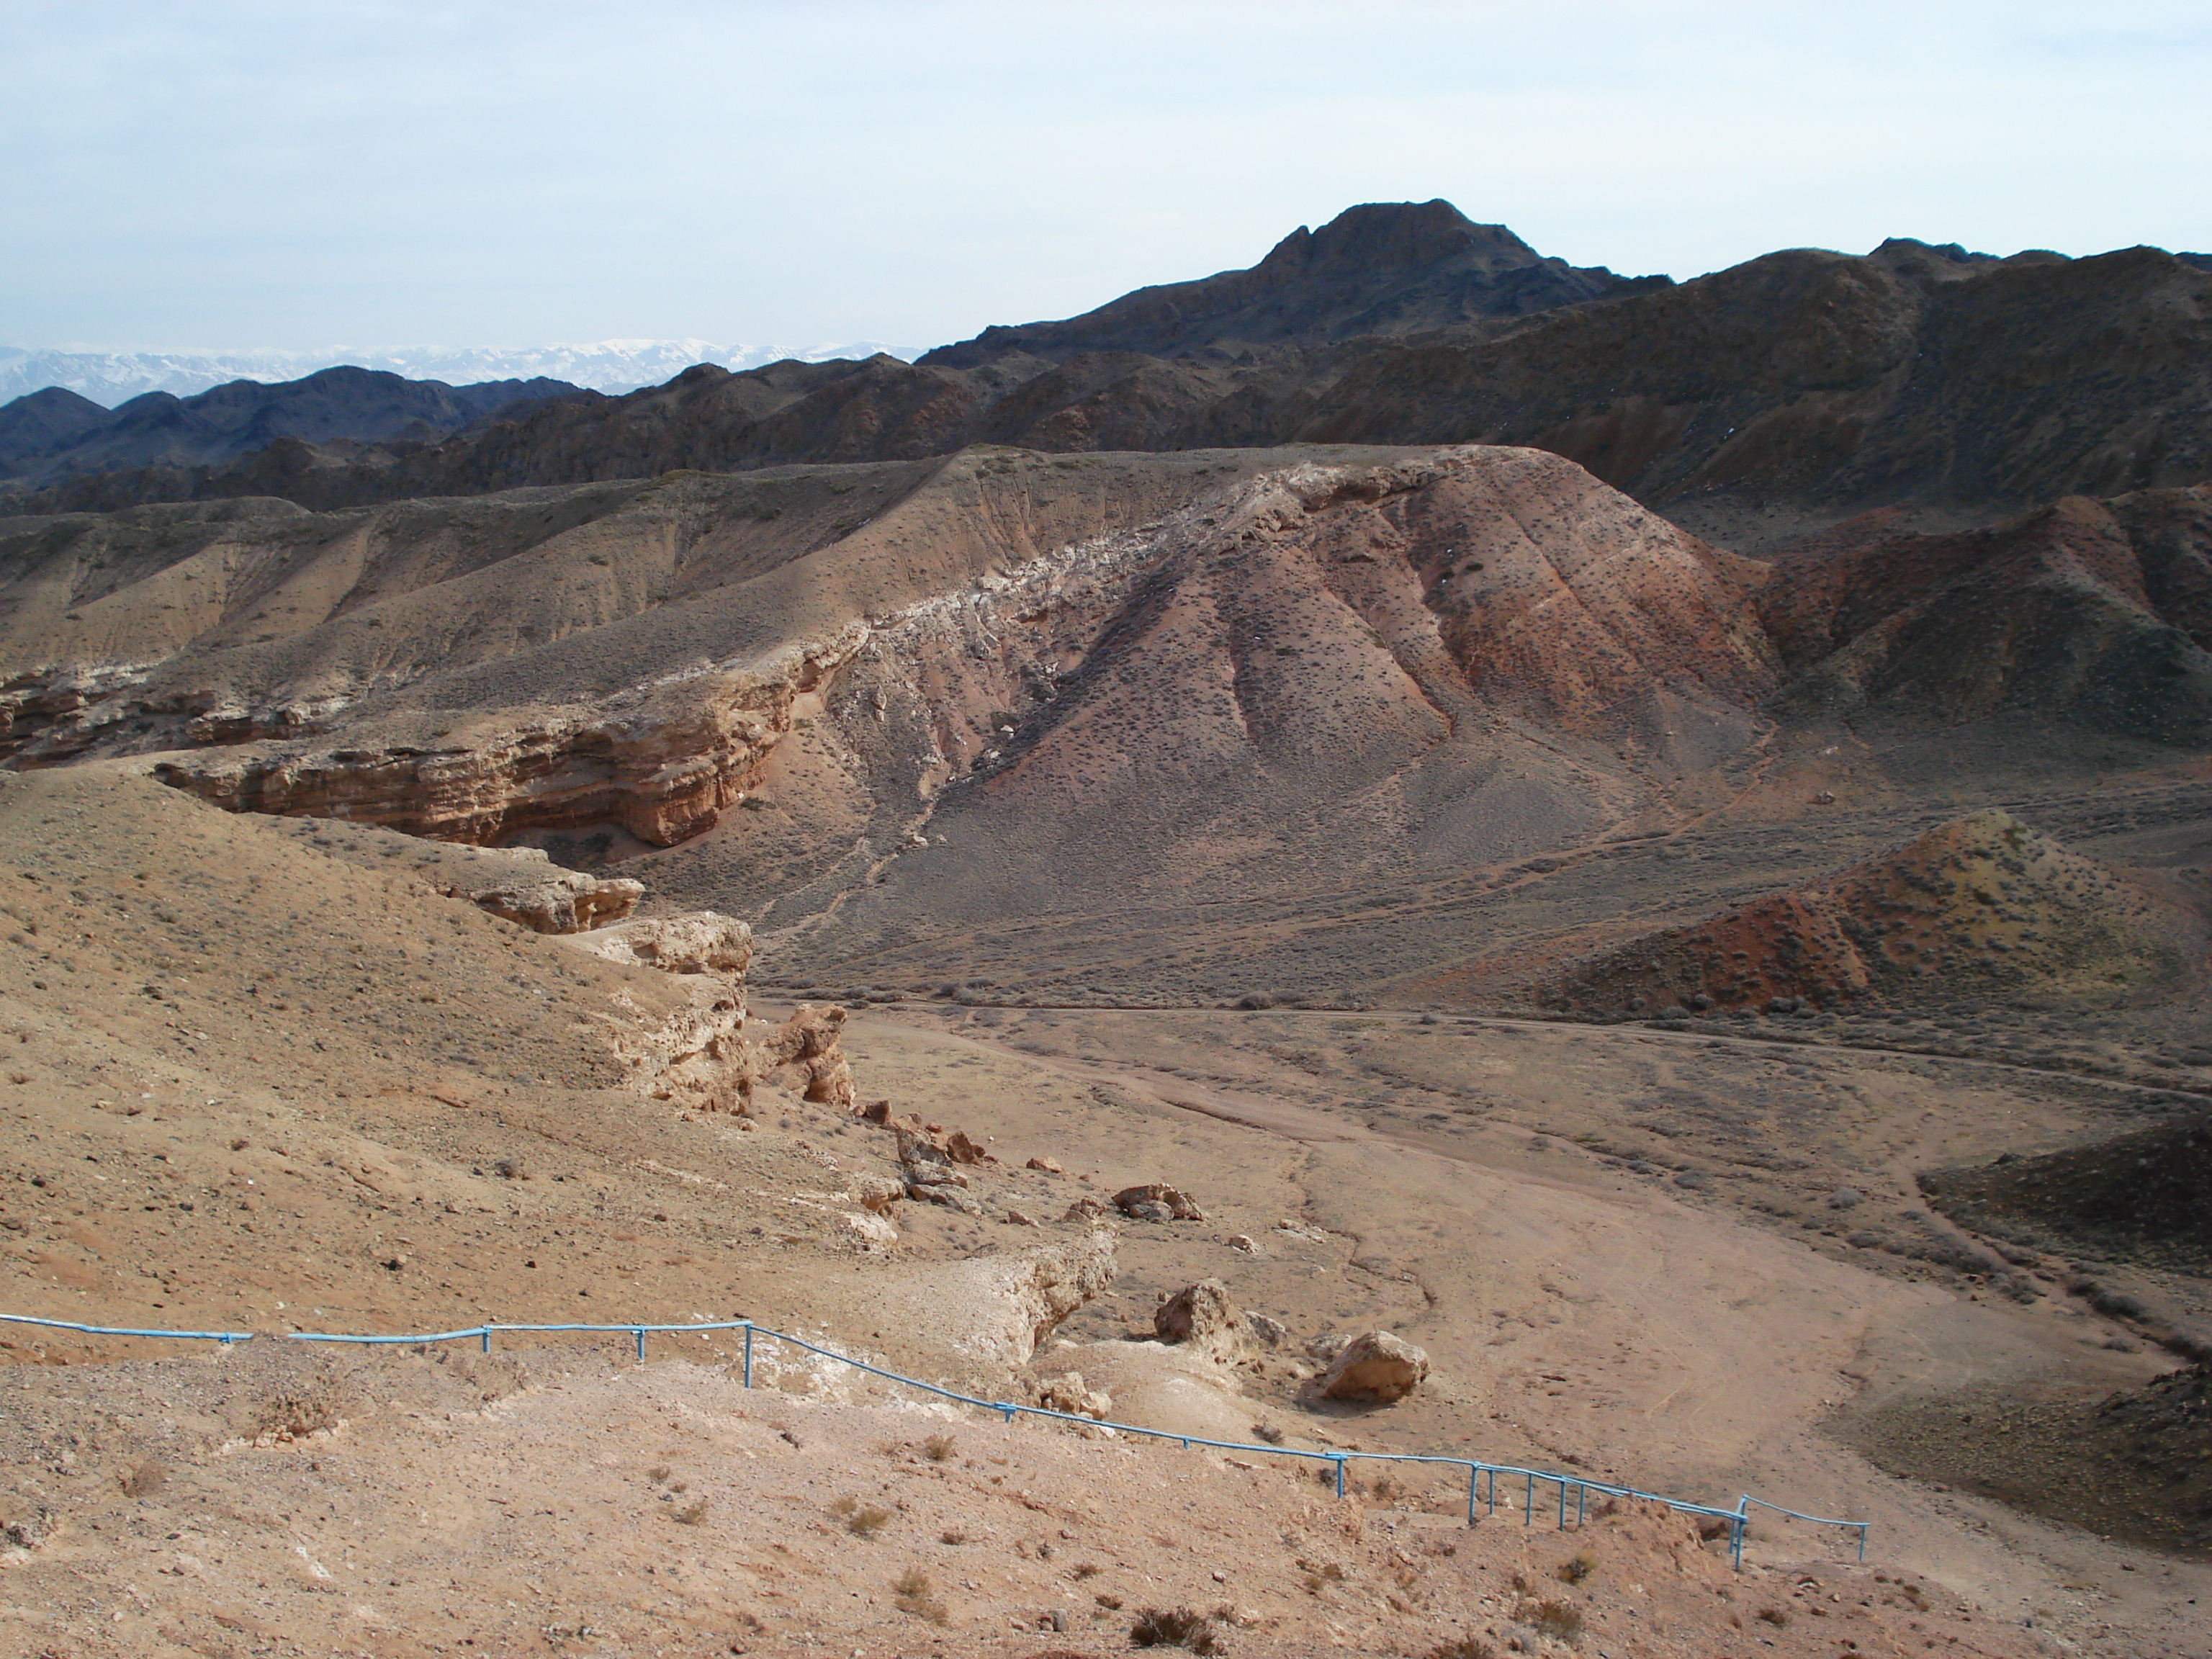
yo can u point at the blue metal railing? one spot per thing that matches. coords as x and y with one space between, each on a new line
1481 1475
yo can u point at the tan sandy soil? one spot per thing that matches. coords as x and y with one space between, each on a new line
559 1502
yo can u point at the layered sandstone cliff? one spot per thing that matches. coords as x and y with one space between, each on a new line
663 765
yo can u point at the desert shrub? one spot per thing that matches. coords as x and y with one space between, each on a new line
2117 1303
868 1522
1178 1627
910 1594
952 1535
657 1473
1576 1568
844 1506
937 1449
1463 1647
691 1515
1774 1616
1556 1620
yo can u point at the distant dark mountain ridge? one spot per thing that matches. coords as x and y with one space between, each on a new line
1383 268
1804 384
40 421
54 434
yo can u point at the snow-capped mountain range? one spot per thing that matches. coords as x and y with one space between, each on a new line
112 377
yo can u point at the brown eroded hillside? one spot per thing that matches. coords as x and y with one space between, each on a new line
1979 907
1389 714
2097 612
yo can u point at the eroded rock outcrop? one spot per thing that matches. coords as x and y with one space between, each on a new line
696 942
1158 1201
665 763
803 1056
561 901
1003 1308
1049 1285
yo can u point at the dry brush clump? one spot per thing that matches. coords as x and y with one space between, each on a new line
861 1520
1556 1620
1174 1627
301 1408
911 1593
1576 1568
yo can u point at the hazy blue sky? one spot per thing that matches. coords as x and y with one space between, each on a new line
294 173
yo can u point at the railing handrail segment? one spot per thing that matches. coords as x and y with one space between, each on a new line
1739 1518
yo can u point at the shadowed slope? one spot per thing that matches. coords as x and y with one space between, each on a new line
2098 613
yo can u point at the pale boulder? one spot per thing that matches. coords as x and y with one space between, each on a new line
871 1227
1375 1365
1143 1202
876 1192
1069 1393
1202 1317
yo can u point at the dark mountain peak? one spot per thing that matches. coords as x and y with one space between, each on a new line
1379 268
43 419
1382 236
1907 256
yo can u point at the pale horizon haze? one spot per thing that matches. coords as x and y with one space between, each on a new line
244 173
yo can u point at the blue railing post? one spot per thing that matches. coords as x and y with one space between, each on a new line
486 1334
1528 1515
1338 1459
1474 1480
640 1344
749 1354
